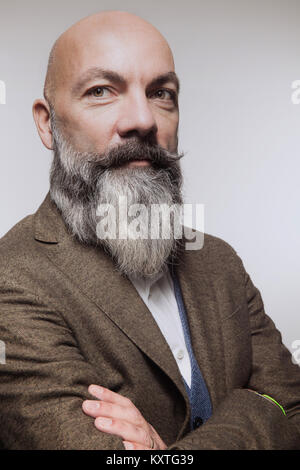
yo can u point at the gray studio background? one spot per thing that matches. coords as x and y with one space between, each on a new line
239 129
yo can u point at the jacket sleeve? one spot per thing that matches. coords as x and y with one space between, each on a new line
246 420
44 379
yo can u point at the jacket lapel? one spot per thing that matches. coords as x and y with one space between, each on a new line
198 289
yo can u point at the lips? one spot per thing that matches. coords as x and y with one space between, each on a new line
137 163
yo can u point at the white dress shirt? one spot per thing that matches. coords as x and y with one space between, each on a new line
159 296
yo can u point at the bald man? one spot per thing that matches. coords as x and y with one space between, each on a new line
132 342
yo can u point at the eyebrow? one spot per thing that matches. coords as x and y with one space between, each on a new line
165 78
114 77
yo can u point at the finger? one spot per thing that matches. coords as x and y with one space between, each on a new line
161 444
105 394
96 408
125 430
134 446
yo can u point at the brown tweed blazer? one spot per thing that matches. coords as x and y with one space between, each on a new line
69 319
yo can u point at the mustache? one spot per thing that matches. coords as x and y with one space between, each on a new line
135 150
79 175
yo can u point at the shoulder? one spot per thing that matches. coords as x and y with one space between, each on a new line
20 234
217 247
212 249
17 247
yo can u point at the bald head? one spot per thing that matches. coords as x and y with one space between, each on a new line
111 28
110 76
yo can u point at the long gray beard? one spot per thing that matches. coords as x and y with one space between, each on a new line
80 182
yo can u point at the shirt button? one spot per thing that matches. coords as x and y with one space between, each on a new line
197 422
180 354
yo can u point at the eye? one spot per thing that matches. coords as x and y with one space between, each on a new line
164 94
99 92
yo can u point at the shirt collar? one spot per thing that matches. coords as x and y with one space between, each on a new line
145 284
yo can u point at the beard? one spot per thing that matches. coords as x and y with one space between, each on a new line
81 182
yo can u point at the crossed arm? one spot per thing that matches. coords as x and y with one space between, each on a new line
244 420
115 414
44 388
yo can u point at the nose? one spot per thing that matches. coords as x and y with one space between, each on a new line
137 117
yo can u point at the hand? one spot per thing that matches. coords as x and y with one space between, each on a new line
115 414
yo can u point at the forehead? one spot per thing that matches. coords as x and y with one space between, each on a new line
134 53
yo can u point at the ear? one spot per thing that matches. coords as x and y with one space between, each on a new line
41 116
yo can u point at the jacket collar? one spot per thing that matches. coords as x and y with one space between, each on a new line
48 224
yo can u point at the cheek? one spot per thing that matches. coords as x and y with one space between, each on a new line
167 133
92 133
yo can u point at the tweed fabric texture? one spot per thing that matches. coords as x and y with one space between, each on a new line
69 319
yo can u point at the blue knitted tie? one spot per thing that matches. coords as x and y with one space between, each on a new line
198 394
